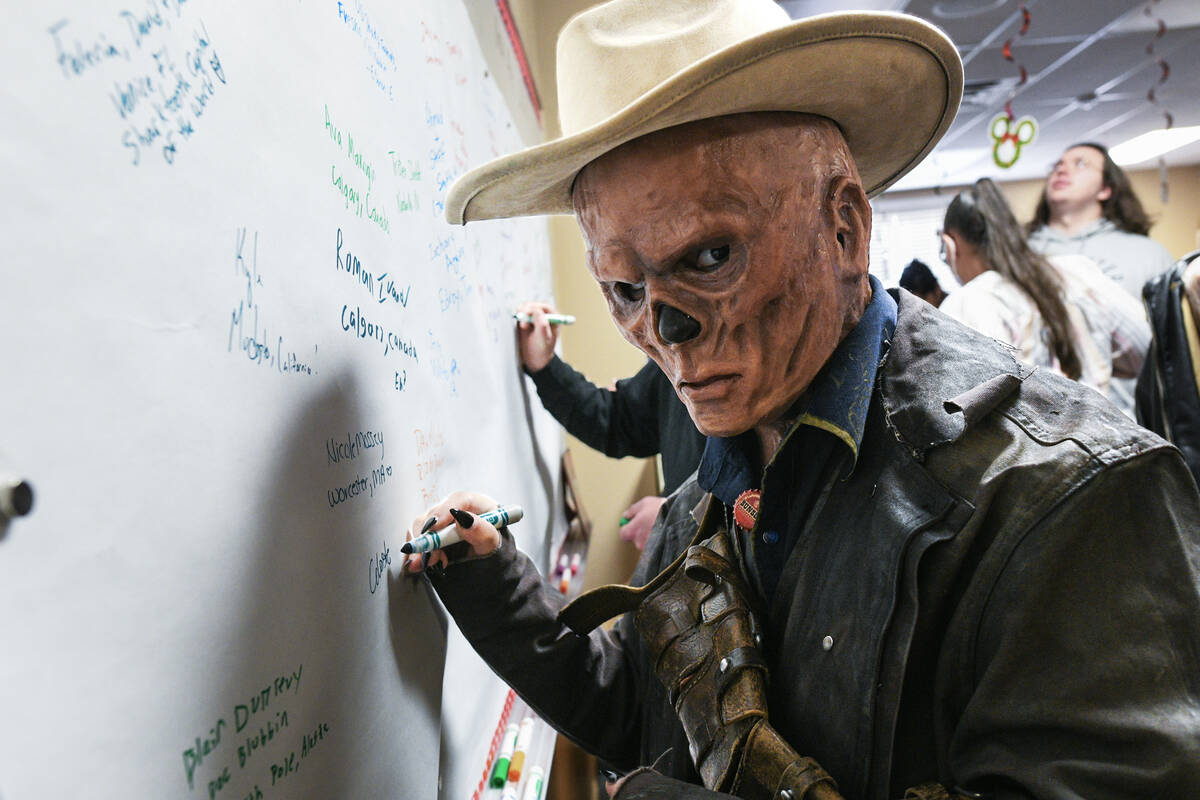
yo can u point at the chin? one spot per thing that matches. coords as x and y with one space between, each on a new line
720 422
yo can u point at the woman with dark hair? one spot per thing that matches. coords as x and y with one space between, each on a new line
1088 208
1063 315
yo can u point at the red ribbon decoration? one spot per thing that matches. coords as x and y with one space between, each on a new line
1006 51
1163 67
1164 72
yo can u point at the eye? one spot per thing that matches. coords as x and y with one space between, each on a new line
710 258
629 292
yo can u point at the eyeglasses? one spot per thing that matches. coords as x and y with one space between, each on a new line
946 249
1076 164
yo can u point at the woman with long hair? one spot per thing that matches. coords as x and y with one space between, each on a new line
1064 315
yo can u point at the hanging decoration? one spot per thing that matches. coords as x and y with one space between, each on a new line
1008 133
1164 72
1009 136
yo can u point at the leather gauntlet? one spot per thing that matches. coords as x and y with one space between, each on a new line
704 643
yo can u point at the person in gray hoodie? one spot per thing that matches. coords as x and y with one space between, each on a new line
1089 208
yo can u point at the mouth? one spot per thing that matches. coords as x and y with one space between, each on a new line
712 387
1059 183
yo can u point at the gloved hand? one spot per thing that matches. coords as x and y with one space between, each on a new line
704 644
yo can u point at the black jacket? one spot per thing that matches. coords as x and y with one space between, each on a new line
1009 577
1168 402
642 418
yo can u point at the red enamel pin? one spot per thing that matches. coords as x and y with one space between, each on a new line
745 508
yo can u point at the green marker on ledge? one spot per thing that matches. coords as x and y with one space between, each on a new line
507 745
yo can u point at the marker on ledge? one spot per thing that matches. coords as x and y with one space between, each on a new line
436 540
533 786
524 738
507 746
553 319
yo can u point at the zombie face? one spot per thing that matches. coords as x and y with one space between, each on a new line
732 251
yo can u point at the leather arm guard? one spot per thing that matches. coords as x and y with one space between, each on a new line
704 644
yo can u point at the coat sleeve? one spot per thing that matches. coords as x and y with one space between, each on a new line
585 686
595 689
1083 679
618 423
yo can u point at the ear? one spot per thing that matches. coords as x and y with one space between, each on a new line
850 215
1104 194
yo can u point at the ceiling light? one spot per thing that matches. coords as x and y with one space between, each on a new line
961 9
1153 144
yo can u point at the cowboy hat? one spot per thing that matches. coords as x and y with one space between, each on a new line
627 68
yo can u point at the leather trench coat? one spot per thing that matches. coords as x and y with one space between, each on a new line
1010 579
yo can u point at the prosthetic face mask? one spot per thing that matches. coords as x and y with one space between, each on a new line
733 252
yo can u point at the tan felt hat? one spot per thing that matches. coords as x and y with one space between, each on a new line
627 68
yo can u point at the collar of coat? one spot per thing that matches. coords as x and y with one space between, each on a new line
939 378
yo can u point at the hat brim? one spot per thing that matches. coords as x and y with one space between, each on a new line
891 82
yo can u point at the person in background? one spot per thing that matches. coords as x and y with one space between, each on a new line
1089 208
1168 389
920 280
1062 314
639 416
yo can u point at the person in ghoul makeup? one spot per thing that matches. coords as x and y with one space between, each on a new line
909 565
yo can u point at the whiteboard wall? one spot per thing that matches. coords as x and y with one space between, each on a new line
243 351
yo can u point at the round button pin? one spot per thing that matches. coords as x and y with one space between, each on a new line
745 508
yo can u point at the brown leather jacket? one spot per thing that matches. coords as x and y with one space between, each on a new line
1010 578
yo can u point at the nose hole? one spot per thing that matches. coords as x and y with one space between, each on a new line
674 326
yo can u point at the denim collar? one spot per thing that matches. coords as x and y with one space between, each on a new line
836 403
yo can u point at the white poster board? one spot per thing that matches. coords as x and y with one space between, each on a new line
242 352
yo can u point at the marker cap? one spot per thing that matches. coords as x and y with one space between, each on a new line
499 773
514 768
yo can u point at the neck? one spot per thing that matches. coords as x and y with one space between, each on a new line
1072 220
770 436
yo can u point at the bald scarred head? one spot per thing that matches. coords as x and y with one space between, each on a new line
732 251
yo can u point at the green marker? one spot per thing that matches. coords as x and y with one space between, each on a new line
436 540
533 787
507 745
623 522
553 319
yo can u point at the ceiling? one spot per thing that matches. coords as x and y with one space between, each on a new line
1088 71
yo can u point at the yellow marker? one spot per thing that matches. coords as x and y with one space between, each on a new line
518 759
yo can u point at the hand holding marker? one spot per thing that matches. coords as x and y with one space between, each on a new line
553 319
430 544
436 540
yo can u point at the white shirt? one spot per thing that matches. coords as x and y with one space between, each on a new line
1108 326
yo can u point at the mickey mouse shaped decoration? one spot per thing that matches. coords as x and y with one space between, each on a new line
1009 136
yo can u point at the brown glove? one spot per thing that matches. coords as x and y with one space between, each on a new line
704 643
